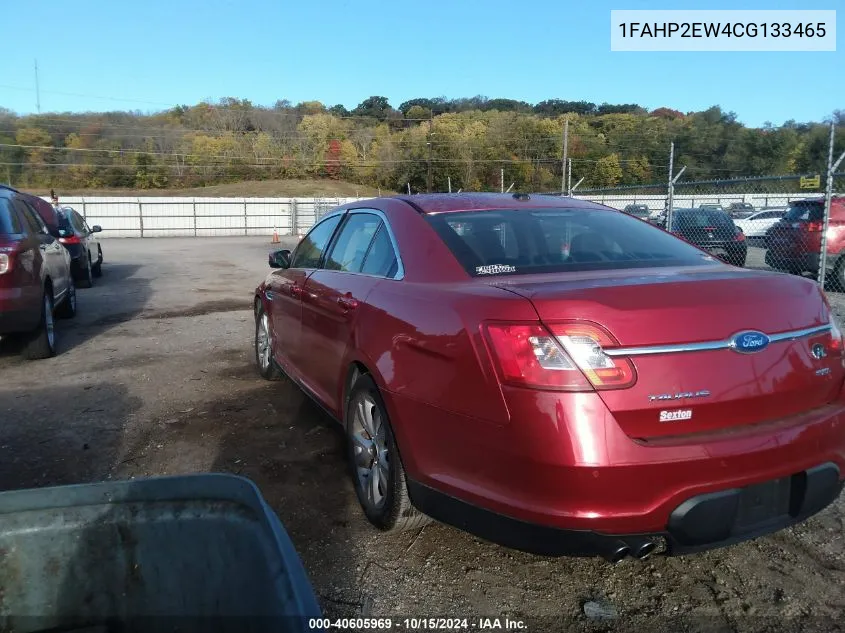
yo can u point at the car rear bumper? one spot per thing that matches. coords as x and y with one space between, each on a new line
703 522
587 482
785 260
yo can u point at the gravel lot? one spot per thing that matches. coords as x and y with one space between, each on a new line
155 376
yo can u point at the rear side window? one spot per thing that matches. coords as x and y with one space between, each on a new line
528 241
381 258
9 222
806 211
31 220
310 250
64 225
352 244
78 222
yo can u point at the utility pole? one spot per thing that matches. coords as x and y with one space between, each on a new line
37 89
569 179
502 180
670 194
828 198
430 123
564 155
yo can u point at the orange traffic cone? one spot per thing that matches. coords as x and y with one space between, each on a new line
275 236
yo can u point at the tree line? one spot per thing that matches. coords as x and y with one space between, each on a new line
464 142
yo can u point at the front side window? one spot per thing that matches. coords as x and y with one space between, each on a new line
529 241
351 246
310 250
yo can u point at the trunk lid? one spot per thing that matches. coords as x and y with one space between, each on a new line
701 390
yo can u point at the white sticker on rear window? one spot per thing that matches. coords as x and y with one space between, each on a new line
494 269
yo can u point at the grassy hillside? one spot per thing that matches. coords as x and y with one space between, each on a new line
305 188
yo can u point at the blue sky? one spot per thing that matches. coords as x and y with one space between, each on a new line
155 53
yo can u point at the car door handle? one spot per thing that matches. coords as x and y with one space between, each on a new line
347 303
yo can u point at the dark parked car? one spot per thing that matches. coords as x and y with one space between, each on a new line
638 211
83 245
35 277
794 243
557 376
740 209
713 231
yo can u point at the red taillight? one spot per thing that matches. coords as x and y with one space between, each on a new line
565 357
70 240
837 345
815 227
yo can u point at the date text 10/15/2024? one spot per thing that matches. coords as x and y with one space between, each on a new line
417 624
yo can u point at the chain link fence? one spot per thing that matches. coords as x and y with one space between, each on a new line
768 223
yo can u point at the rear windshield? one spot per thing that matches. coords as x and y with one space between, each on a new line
701 219
638 210
807 210
529 241
64 225
743 215
9 224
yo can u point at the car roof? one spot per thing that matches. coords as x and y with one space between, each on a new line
6 190
445 202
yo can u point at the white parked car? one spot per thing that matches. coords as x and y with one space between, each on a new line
756 224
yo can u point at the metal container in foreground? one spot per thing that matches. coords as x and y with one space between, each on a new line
186 553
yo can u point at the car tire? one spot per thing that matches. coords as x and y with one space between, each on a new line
97 269
67 310
374 461
42 342
838 278
86 276
267 367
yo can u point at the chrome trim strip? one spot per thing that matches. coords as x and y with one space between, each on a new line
712 345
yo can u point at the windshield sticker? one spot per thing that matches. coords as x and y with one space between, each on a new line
494 269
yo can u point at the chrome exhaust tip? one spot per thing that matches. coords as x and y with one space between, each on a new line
644 550
616 553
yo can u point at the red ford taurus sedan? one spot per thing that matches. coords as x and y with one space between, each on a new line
557 376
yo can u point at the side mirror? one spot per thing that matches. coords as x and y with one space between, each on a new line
96 228
279 259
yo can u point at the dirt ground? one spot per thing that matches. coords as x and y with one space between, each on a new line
155 376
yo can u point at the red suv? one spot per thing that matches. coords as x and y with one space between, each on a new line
558 376
35 277
794 243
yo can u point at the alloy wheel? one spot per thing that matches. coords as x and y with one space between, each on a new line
369 442
48 322
263 342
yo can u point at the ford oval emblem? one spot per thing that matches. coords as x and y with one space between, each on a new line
750 342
